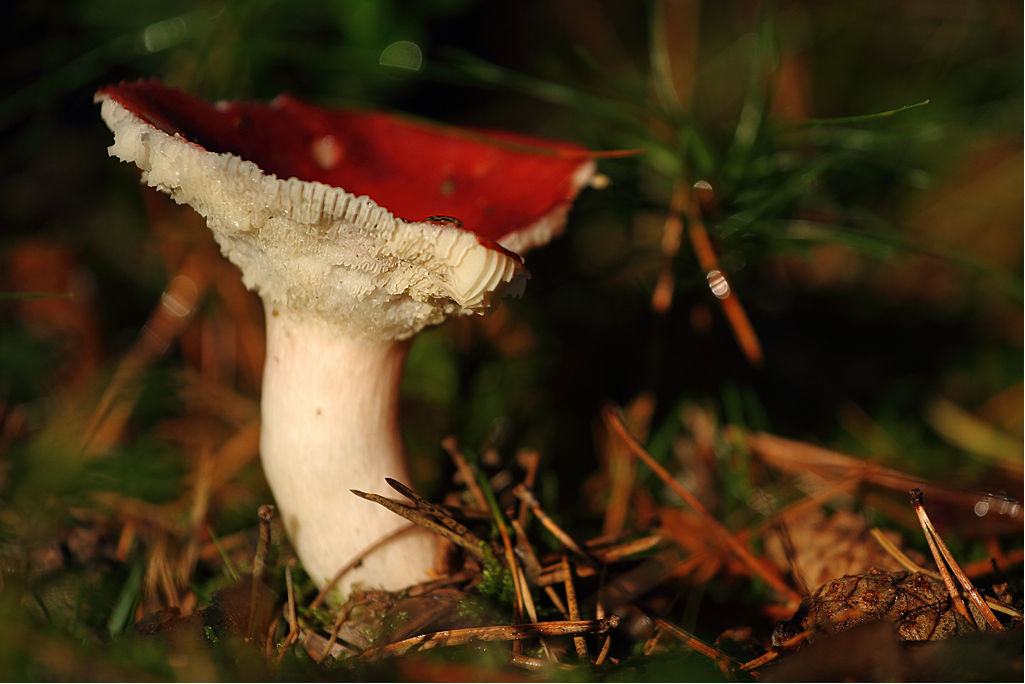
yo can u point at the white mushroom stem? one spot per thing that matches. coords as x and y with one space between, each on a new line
330 424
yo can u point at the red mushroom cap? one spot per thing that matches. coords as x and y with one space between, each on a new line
496 183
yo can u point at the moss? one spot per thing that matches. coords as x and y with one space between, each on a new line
497 583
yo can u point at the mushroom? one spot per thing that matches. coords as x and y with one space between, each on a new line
383 227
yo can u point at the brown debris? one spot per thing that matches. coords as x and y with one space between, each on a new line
918 604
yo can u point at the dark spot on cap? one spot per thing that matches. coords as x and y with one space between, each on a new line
445 219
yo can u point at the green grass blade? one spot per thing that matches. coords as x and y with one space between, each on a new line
126 600
858 119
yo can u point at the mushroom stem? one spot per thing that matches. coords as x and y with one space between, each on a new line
330 424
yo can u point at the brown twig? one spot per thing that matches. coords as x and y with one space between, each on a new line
266 515
952 590
438 512
518 588
553 573
743 331
656 633
940 552
528 603
743 553
604 650
202 487
533 568
795 456
898 555
652 641
423 521
556 601
431 585
527 598
455 637
125 540
343 615
608 554
160 574
1001 607
599 613
621 467
574 609
524 494
536 664
242 448
672 230
290 612
686 637
620 551
529 459
529 568
764 658
466 471
525 552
